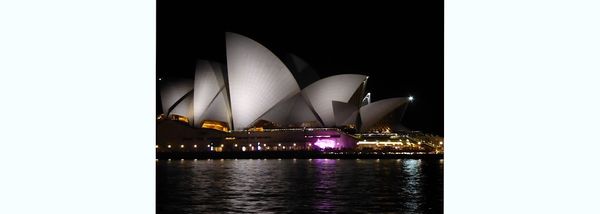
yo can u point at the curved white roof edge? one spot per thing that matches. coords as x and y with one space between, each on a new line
172 91
303 113
257 79
374 112
217 110
208 83
184 108
340 88
280 113
291 111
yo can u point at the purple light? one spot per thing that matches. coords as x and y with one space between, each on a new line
325 143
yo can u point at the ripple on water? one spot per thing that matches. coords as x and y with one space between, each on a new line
317 185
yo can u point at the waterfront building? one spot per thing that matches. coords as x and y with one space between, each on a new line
255 102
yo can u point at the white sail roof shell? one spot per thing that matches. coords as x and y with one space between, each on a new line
172 91
374 112
184 108
217 110
339 88
208 84
257 80
292 111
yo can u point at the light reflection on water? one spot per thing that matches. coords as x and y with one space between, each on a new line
317 185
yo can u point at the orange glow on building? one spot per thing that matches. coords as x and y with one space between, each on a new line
216 125
180 118
257 129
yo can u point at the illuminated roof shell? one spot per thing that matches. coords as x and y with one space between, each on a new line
257 80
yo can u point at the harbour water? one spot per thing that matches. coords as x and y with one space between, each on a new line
300 186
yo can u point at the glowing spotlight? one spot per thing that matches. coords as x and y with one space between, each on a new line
325 143
410 98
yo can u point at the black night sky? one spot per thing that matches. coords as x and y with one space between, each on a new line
398 45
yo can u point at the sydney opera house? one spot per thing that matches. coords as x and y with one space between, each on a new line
257 101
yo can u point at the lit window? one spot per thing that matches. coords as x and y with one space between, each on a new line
217 125
180 118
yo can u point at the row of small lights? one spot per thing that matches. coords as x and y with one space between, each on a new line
407 141
310 159
279 145
235 145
